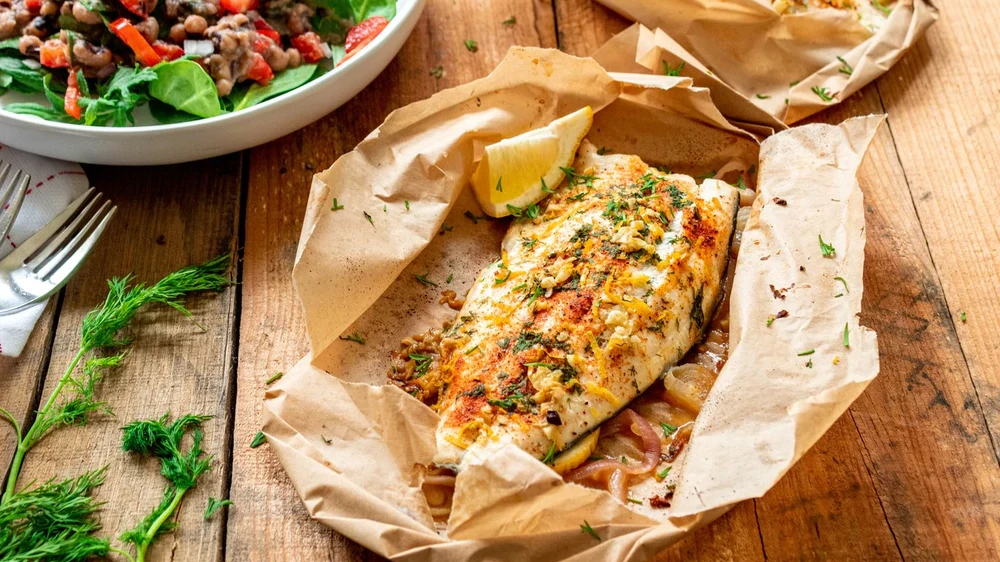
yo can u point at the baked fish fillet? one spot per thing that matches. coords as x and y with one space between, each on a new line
609 284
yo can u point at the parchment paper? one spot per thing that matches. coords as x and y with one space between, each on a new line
352 446
744 48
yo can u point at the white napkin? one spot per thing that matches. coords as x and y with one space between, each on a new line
54 185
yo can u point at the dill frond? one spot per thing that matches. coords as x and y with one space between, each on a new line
162 439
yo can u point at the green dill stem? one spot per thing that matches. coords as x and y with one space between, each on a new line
122 553
140 550
26 442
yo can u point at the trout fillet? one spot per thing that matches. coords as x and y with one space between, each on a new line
610 283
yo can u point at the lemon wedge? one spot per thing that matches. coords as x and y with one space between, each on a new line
514 172
577 454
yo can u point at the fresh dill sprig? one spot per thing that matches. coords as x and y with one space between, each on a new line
54 521
162 439
102 330
215 505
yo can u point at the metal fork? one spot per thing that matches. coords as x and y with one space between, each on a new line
38 268
11 197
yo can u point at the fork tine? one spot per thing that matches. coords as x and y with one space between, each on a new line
54 261
4 170
41 256
58 276
11 204
28 248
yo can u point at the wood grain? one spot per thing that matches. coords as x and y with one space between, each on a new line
269 521
946 129
167 218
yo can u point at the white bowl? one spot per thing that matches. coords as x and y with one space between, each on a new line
182 142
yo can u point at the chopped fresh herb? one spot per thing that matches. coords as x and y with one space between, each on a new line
471 45
504 279
793 84
668 71
882 7
477 391
531 211
446 228
423 279
846 69
450 277
504 343
551 455
823 93
770 320
355 337
368 218
838 295
586 528
809 363
258 440
545 188
753 169
963 317
847 329
512 20
474 218
325 440
633 500
520 287
215 505
827 249
842 280
576 179
514 211
668 429
423 362
508 404
500 184
336 206
407 203
274 377
472 349
763 97
437 72
663 473
603 150
740 183
807 352
535 295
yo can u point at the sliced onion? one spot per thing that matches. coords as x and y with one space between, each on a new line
198 48
618 485
327 51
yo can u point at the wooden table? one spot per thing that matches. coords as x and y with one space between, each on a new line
910 472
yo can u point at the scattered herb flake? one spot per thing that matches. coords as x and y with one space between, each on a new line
423 279
882 7
844 281
545 188
500 184
471 45
809 363
827 249
258 440
823 93
633 500
551 455
472 349
740 183
355 337
450 277
603 150
437 72
274 377
807 352
846 69
215 505
512 20
586 528
407 203
770 320
336 206
963 317
847 329
668 71
763 97
668 429
663 473
369 218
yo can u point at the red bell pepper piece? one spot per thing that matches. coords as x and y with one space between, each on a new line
240 6
33 6
137 7
71 102
127 32
54 54
168 51
260 71
363 33
266 30
260 44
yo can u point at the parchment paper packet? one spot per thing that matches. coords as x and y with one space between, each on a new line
352 446
783 64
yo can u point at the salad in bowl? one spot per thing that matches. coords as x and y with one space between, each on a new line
95 61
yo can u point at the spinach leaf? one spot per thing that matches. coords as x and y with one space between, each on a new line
29 79
167 115
281 83
364 9
38 110
184 85
331 27
10 44
118 97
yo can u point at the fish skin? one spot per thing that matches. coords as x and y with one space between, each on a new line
589 305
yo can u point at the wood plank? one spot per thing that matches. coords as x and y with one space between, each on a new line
269 521
20 381
167 218
944 106
585 25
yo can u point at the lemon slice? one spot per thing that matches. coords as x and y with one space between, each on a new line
577 454
513 171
